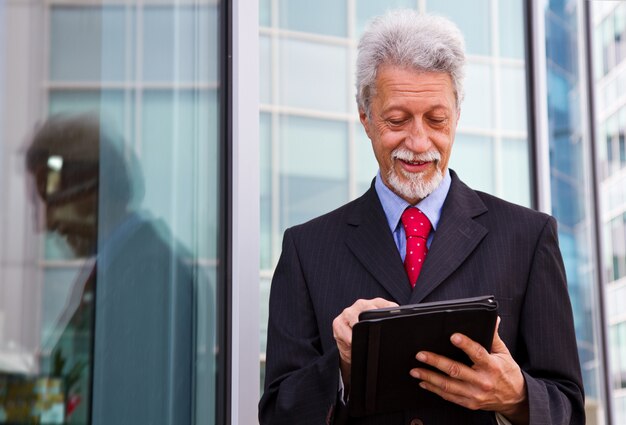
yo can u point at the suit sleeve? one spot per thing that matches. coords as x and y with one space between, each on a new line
550 365
301 380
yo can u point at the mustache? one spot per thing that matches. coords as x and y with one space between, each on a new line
406 155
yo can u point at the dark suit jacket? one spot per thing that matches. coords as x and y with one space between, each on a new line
143 355
483 245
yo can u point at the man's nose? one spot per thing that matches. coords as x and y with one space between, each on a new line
417 138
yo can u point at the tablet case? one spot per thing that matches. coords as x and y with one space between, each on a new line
385 342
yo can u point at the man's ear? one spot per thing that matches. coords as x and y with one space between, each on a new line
365 121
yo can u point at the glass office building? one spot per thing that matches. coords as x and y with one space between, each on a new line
152 153
608 26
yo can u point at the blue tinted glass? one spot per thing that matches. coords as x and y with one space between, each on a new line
569 175
326 17
313 75
90 43
473 19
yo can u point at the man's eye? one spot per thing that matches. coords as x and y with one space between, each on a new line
396 123
437 120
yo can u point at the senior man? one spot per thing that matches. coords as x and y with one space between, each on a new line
409 90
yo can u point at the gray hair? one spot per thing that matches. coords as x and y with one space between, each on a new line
426 43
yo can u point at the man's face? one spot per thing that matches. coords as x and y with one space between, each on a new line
412 123
71 211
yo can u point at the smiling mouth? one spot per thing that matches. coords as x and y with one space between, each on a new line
414 162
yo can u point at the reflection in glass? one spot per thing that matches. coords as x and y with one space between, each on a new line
570 185
108 293
178 41
137 274
90 44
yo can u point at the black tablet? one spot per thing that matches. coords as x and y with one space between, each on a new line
385 342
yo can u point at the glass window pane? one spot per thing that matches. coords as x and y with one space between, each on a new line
477 108
265 46
313 168
265 13
365 164
266 191
114 107
177 42
367 9
79 51
570 166
313 76
513 98
326 17
511 28
473 160
109 295
515 171
472 17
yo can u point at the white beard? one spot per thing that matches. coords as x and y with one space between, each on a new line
414 185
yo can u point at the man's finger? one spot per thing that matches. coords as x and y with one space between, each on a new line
450 367
476 352
498 346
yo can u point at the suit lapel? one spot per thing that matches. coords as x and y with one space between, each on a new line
371 241
457 235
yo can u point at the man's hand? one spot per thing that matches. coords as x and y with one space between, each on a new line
495 381
342 331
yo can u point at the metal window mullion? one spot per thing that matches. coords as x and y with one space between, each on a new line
352 163
245 231
593 187
275 136
539 89
497 100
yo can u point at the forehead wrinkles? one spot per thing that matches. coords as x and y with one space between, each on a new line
425 95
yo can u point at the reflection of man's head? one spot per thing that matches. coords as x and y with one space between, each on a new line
67 157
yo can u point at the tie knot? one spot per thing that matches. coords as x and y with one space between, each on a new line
415 223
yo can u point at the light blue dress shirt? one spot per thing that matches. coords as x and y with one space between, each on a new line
394 206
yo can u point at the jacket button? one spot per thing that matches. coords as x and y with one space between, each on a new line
416 422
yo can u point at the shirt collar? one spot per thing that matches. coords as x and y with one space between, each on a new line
394 206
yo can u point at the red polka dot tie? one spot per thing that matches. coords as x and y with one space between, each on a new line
417 227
